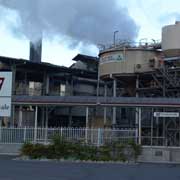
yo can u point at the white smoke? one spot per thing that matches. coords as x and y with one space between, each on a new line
87 21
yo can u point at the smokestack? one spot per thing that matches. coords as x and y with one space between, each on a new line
35 51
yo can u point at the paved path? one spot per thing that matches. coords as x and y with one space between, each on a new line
21 170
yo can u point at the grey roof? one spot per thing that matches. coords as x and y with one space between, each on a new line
94 101
86 58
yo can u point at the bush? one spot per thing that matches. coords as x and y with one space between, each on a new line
27 149
39 151
119 154
104 153
60 148
136 148
34 151
50 152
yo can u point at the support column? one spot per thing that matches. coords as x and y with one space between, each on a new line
137 109
46 132
43 117
87 124
105 108
98 83
13 93
20 116
1 129
67 89
72 87
114 95
164 127
47 84
47 117
12 115
70 116
179 131
26 86
140 128
87 117
157 127
152 117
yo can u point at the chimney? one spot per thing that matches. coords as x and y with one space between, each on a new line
35 51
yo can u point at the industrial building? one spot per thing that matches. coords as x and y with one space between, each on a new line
130 85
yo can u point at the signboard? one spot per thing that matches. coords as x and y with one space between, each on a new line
5 84
5 107
5 93
166 114
112 58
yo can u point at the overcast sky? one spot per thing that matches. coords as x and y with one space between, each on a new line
149 15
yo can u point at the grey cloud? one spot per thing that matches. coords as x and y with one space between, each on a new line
88 21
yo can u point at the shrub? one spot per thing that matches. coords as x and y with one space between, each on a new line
136 148
87 152
39 151
119 152
61 148
104 153
34 151
50 152
27 149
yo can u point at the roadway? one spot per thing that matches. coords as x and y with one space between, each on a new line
36 170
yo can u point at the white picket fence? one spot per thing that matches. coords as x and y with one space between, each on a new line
44 135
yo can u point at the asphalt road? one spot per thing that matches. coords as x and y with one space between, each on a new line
24 170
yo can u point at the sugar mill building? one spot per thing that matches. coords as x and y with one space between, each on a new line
129 85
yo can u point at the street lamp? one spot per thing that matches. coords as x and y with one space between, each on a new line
115 32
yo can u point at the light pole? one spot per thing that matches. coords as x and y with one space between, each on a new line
115 32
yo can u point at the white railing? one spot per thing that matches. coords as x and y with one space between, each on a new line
43 135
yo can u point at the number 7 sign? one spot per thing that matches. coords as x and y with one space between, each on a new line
1 82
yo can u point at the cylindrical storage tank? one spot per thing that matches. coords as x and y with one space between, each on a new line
171 40
125 61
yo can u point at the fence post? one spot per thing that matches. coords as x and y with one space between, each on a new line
99 137
24 134
35 128
46 135
61 132
86 135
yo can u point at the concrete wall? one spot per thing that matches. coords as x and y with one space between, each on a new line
160 154
10 149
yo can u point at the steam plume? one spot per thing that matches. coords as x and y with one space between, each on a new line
87 21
